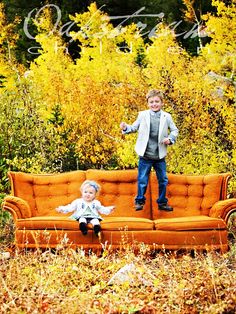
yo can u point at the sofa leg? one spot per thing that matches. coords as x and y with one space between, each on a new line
83 228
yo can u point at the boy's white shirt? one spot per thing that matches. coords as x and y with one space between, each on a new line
142 125
79 206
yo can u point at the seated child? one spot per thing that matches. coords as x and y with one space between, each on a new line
86 209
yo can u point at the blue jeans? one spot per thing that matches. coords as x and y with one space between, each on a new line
144 169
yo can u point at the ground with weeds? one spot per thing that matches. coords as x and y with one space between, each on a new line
67 281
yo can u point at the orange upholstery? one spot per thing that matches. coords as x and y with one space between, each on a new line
199 219
119 187
190 223
188 195
127 223
44 193
47 222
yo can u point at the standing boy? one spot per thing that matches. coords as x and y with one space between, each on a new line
156 130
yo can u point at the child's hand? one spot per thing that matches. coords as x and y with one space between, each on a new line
123 126
59 209
112 208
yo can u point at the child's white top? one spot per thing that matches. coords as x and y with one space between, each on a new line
79 206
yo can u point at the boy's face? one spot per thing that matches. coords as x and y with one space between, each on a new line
155 103
88 193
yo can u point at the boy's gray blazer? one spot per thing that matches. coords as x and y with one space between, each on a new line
167 129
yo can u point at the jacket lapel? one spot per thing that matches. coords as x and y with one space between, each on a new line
147 119
162 123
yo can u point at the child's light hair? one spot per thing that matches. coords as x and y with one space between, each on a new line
155 92
91 183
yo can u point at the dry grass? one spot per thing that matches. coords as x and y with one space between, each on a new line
66 281
69 281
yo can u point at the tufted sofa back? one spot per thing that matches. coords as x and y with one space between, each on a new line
44 192
119 188
190 195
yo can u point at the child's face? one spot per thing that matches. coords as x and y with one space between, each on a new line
88 193
155 103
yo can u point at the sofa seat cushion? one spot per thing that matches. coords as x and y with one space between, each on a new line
47 222
65 223
190 223
127 223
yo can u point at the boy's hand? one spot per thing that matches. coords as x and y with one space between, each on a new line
166 141
123 126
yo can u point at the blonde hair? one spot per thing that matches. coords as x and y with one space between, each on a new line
155 92
91 183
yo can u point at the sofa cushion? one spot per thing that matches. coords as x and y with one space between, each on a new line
190 223
47 222
119 188
127 223
64 223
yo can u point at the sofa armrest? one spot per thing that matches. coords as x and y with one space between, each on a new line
223 209
18 207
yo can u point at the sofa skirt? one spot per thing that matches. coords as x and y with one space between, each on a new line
155 239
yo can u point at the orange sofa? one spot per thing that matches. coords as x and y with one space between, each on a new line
199 219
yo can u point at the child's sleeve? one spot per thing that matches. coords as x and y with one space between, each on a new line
106 210
68 208
173 130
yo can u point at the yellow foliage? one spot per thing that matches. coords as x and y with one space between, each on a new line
107 53
96 92
108 82
189 12
220 52
125 151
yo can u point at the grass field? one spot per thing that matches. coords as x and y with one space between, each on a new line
68 281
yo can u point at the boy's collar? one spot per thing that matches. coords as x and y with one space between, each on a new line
155 112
